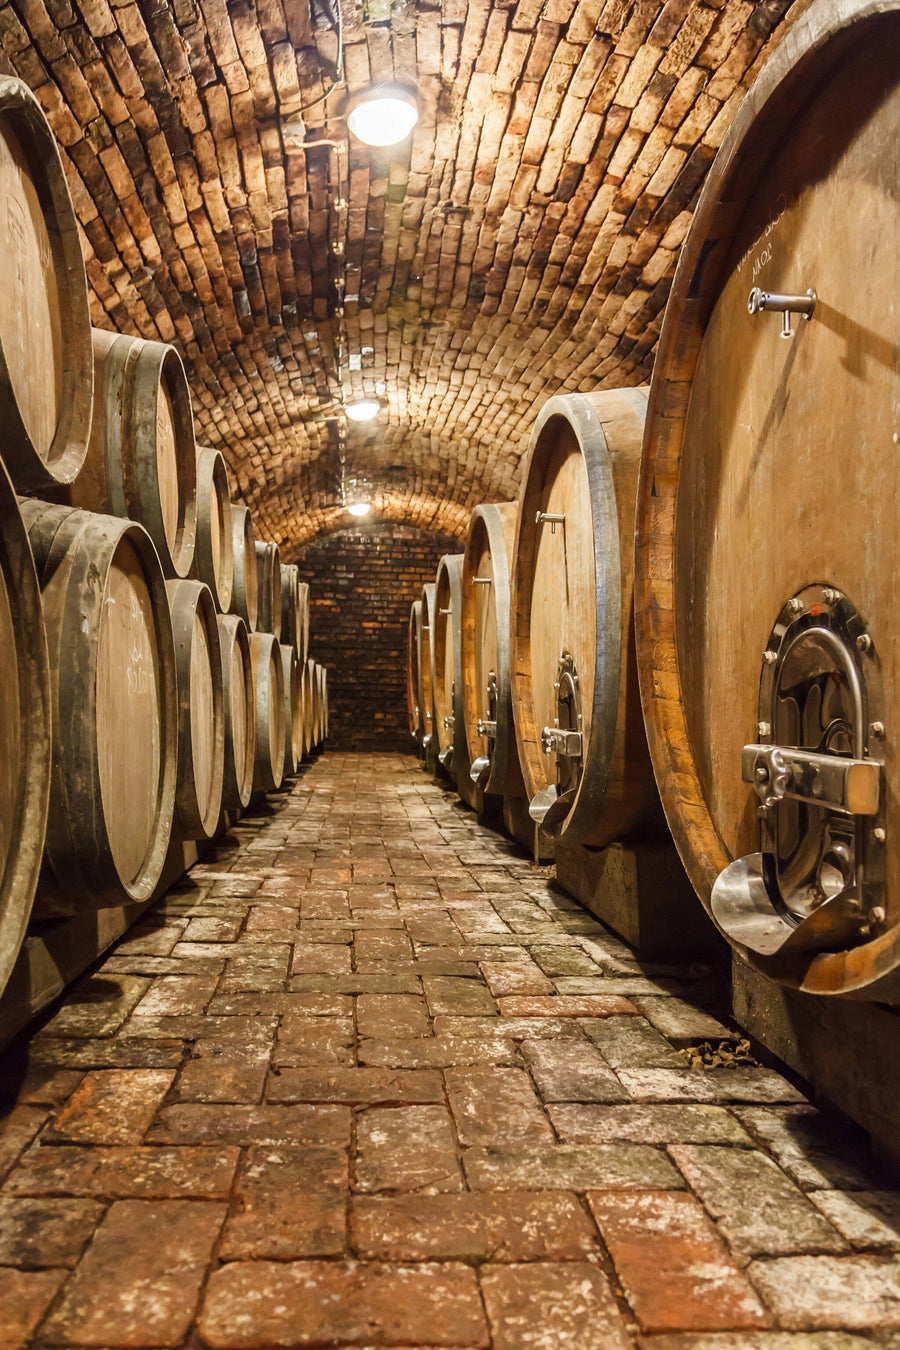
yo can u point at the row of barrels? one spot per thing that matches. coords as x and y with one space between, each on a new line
698 583
154 653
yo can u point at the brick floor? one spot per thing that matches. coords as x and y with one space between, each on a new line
366 1079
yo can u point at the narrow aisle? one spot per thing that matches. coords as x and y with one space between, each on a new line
367 1079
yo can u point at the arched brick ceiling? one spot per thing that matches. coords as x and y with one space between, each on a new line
522 241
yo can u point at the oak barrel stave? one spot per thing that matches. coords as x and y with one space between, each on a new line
25 729
770 478
239 700
485 645
141 462
214 551
46 367
571 625
201 708
113 691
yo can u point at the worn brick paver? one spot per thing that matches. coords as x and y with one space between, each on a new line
368 1078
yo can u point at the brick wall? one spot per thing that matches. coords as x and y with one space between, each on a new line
362 582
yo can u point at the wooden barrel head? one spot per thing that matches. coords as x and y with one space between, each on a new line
130 713
25 729
484 638
768 506
112 666
201 707
46 374
240 712
214 551
309 707
575 697
303 621
268 680
268 580
426 663
293 729
245 592
448 693
413 696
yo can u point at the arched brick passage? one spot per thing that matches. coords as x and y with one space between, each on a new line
358 624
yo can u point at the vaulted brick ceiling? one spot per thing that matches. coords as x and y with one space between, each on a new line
520 243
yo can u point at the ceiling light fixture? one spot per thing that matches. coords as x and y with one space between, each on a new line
385 115
360 508
363 410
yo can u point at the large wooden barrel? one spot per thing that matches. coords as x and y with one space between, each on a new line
315 712
484 640
426 666
268 580
142 458
308 701
115 717
201 708
769 547
245 588
293 710
303 630
46 368
25 729
239 700
413 695
268 683
214 551
450 722
576 702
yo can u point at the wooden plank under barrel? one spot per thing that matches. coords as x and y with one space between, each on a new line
575 694
769 537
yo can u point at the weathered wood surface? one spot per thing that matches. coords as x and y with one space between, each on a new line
25 729
572 598
46 369
201 708
769 464
141 461
113 692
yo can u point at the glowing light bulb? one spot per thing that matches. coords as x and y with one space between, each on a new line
363 410
360 508
386 116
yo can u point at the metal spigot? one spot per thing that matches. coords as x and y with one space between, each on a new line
786 305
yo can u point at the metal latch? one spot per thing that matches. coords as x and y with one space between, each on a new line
851 786
555 741
486 728
548 518
449 722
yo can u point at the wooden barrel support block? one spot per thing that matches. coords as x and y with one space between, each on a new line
46 368
25 729
448 678
575 694
485 644
239 701
268 683
214 553
268 574
426 667
201 708
142 457
112 670
768 540
413 694
293 727
245 589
